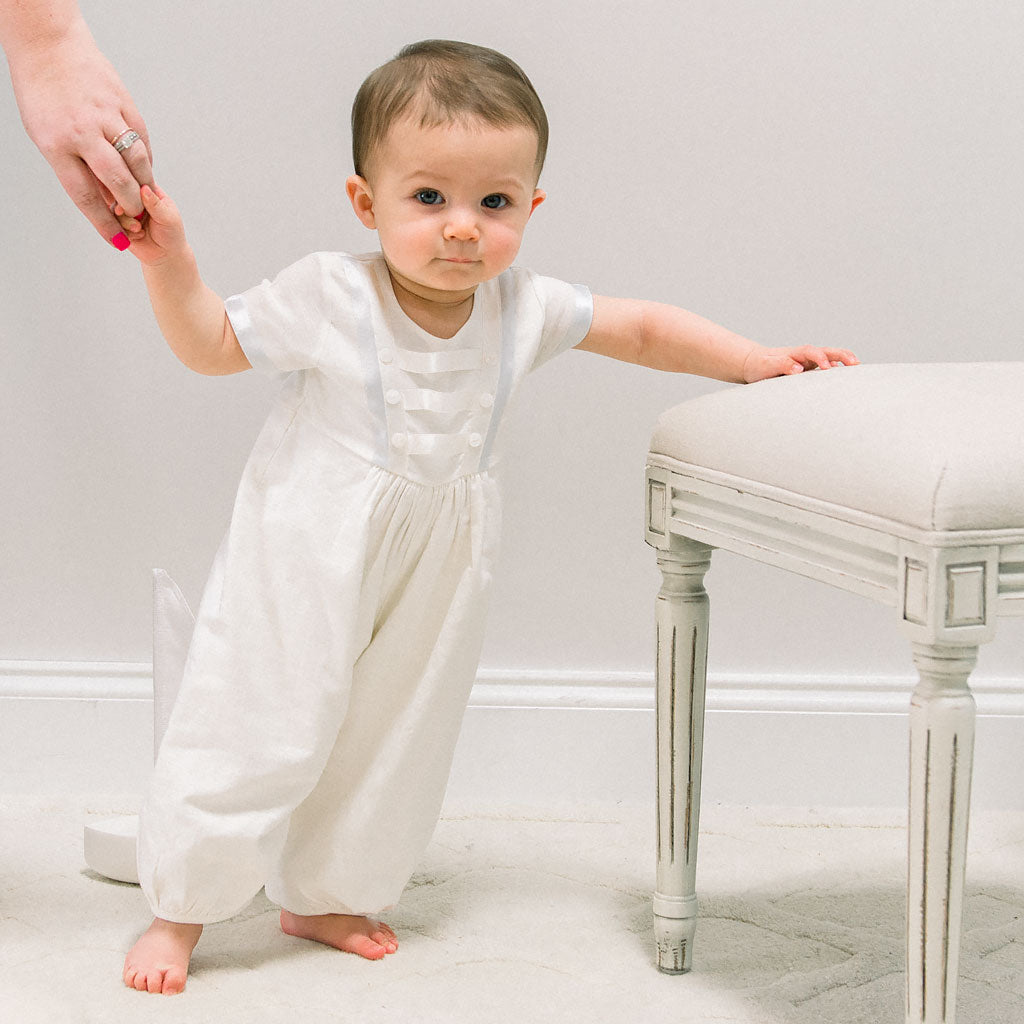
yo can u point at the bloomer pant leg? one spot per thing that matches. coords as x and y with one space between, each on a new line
263 696
355 841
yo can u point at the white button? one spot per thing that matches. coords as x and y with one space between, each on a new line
487 401
398 440
393 397
490 360
475 440
387 356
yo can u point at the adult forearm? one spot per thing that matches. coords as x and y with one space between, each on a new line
191 315
679 341
27 25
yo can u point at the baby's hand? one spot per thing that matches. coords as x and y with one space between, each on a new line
763 362
160 234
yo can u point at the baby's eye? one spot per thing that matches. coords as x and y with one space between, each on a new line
429 196
494 201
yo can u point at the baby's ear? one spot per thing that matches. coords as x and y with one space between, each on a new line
361 197
539 195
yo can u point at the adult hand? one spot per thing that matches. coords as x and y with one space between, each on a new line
73 105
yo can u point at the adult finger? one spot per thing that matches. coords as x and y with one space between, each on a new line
132 117
110 168
139 156
136 157
139 163
85 192
131 225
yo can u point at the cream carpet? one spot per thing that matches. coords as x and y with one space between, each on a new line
527 916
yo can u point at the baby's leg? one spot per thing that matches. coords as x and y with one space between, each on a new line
260 705
361 935
158 962
356 839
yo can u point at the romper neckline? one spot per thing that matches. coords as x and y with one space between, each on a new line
388 291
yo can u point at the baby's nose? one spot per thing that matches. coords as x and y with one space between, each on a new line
462 226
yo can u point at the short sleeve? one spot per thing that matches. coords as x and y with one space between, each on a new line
568 310
280 324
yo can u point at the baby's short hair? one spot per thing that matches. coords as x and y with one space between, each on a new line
448 81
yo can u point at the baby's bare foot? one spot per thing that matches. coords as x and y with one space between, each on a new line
362 935
158 962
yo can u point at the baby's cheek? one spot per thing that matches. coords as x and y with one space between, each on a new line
400 245
505 245
419 241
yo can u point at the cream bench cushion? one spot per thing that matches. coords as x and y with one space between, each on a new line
937 446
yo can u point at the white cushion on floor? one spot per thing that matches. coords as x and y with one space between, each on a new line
939 446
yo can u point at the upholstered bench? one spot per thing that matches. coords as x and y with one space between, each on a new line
902 483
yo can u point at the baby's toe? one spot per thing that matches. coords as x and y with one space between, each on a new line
174 981
367 947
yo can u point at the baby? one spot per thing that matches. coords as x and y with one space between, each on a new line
339 632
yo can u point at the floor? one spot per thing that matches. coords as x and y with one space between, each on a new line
526 916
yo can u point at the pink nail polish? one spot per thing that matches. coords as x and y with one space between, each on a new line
120 241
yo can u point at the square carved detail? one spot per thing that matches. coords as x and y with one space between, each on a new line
965 595
657 506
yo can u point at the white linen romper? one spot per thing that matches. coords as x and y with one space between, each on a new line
339 633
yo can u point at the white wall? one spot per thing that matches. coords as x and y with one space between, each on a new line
801 171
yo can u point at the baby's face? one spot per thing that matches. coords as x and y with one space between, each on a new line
450 203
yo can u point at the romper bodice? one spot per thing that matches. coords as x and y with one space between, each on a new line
438 393
363 375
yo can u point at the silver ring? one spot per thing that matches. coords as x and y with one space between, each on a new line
125 140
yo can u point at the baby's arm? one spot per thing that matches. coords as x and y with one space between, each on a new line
191 316
669 338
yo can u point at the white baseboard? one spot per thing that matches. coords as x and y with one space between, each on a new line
553 740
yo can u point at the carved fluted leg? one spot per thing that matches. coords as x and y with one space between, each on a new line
682 623
941 752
